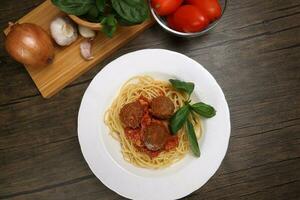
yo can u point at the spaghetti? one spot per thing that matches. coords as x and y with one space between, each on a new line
149 88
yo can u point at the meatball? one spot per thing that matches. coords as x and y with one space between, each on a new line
131 114
162 107
155 136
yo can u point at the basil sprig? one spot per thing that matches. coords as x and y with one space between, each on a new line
181 116
109 13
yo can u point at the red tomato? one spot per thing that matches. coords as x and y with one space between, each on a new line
165 7
211 8
190 19
172 24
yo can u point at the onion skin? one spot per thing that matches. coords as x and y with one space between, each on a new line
29 44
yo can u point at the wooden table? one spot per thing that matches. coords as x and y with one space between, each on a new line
254 54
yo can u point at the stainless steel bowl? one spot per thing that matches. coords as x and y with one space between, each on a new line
163 22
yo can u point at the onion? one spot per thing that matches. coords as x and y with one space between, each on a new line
29 44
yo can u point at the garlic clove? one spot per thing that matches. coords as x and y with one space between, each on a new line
86 32
85 49
63 31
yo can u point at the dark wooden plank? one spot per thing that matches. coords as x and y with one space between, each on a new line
256 181
254 55
89 188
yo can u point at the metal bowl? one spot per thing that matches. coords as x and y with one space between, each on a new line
163 23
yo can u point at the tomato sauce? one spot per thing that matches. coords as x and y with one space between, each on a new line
136 135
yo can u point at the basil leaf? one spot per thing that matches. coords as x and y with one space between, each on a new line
89 18
133 11
93 12
192 139
179 118
92 15
109 24
124 22
187 87
74 7
100 5
204 110
100 18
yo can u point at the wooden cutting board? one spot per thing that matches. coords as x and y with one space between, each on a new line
68 63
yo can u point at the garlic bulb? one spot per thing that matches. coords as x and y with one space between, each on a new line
86 32
63 31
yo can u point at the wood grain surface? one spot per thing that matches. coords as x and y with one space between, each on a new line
68 63
254 54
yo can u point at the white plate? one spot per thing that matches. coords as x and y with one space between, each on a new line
103 153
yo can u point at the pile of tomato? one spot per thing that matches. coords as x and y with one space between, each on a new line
188 15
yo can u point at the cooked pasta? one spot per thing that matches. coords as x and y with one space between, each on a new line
149 88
